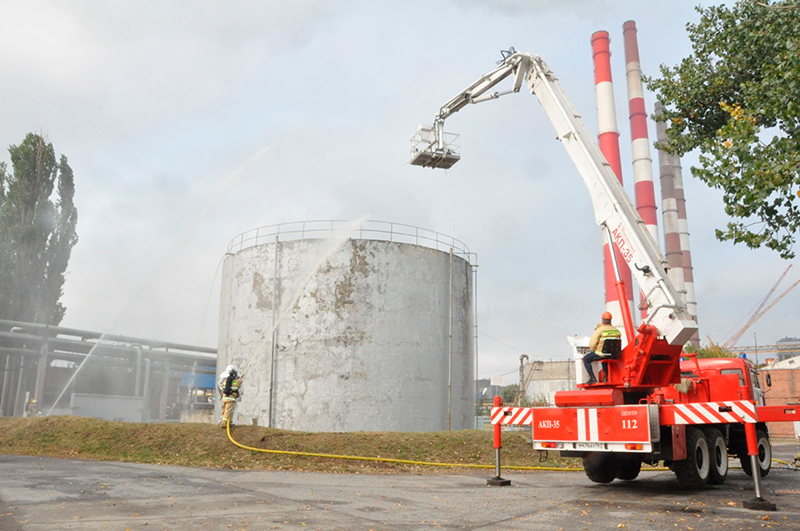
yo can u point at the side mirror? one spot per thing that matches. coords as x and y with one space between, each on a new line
769 380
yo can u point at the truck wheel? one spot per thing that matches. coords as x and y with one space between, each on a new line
628 466
719 456
764 455
600 467
693 471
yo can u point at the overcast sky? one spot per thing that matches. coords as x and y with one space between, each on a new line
187 123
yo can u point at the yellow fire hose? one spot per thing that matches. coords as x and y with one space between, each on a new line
429 463
400 461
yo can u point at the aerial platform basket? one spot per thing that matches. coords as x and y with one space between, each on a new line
428 152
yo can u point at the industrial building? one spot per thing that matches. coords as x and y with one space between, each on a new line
67 371
784 376
786 348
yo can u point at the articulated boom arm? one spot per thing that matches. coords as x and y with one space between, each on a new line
612 207
479 91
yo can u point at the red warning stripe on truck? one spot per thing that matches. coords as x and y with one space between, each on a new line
734 411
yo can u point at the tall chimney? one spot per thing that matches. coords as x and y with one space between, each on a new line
683 231
669 207
676 229
608 138
640 142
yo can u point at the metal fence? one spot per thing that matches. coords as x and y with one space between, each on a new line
344 229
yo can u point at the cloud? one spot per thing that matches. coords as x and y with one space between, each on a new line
533 7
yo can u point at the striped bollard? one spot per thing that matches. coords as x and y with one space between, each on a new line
497 481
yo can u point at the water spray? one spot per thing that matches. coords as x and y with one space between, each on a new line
337 239
208 300
74 374
225 184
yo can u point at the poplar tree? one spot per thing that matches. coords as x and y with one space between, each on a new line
736 99
38 222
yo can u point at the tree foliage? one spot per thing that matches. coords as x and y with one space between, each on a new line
711 351
509 393
36 234
736 98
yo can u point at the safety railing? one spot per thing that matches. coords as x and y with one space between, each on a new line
426 152
345 229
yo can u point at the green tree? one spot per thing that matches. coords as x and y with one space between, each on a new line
509 393
711 351
736 98
36 234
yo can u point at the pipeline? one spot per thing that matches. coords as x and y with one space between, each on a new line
402 461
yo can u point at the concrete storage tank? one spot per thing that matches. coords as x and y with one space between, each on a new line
373 327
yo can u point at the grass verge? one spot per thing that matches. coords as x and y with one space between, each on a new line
206 445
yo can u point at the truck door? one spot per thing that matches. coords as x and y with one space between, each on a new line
758 394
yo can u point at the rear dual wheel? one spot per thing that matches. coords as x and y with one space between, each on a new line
718 453
628 466
605 467
600 467
695 470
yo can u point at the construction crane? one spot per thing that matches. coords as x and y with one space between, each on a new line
757 314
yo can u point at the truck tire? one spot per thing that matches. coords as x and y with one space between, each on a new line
764 455
693 472
600 467
719 456
628 466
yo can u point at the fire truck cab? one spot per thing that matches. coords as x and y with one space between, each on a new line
715 380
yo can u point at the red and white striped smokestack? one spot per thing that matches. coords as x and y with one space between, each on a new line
640 143
608 138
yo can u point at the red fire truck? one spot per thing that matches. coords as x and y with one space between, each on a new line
650 405
693 426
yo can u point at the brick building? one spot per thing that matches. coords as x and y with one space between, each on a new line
785 390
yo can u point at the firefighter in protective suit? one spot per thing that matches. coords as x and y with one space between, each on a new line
603 331
230 390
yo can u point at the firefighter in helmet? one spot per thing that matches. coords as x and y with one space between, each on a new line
230 381
605 330
30 410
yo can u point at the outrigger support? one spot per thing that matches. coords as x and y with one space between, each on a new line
758 503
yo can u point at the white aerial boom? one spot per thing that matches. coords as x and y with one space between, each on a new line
431 147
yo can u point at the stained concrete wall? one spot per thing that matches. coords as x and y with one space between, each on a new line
362 336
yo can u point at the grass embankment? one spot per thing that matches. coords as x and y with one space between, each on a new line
206 445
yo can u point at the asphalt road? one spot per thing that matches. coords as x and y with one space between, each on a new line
55 494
